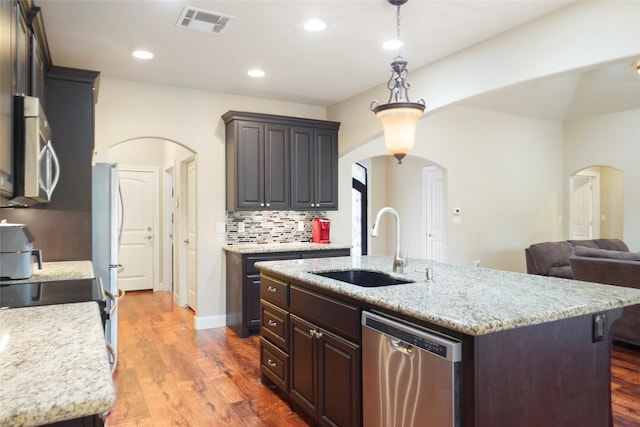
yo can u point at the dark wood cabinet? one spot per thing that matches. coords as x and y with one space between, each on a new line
314 182
6 98
311 350
260 154
324 374
279 162
243 285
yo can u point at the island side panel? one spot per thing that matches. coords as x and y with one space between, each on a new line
234 293
551 375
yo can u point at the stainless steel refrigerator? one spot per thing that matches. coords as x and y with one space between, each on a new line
106 226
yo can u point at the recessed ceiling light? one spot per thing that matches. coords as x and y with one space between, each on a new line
393 44
142 54
315 25
255 73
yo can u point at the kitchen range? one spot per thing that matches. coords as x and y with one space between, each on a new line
54 359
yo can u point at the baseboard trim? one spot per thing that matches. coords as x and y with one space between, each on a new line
208 322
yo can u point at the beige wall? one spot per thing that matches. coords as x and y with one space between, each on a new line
128 110
503 171
612 202
609 140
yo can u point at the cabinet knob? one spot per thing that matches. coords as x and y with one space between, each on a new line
272 289
271 363
268 204
272 323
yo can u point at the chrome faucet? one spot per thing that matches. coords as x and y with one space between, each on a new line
398 261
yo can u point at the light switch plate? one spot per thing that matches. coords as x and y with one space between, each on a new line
221 227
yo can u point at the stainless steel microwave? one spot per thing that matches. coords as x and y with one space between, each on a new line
35 165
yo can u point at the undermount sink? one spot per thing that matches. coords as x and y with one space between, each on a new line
364 278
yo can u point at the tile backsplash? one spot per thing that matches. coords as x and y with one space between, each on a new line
270 226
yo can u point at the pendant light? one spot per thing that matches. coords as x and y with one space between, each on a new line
398 116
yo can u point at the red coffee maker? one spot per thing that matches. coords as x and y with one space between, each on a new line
321 230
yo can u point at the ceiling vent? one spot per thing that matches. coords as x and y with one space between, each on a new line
203 20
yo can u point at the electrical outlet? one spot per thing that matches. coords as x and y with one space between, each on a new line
476 263
241 227
300 225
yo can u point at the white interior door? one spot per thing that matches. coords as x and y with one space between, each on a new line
192 243
435 213
138 251
584 207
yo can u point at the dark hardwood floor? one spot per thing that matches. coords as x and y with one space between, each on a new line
172 375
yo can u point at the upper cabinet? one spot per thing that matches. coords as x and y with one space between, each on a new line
280 163
314 172
24 60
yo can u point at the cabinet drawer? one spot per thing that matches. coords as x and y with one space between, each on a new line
341 318
274 325
274 364
275 291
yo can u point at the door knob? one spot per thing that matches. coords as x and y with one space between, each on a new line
149 237
186 240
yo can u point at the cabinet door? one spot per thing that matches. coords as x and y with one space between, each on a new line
326 169
339 380
6 99
21 53
250 165
303 357
277 160
252 301
37 71
302 168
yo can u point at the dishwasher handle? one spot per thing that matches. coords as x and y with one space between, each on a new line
413 336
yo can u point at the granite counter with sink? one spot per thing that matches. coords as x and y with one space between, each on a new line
470 300
535 351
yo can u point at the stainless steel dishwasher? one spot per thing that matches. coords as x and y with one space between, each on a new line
410 377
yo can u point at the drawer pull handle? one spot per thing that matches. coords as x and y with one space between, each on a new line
272 323
271 363
272 289
315 334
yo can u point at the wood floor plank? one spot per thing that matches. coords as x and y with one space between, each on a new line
170 374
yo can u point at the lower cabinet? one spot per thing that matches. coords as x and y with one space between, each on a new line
324 374
243 285
310 348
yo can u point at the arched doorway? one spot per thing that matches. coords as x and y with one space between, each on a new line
596 196
137 155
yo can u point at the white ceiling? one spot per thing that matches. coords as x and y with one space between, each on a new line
312 68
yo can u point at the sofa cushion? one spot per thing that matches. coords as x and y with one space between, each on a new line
611 244
605 253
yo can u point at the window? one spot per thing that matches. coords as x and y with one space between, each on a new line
359 208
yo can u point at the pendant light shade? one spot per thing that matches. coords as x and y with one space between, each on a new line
399 116
399 122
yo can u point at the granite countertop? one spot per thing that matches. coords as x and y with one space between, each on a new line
259 248
60 270
471 300
53 364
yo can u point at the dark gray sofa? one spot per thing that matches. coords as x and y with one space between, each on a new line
552 258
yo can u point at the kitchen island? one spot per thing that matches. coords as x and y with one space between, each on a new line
535 350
